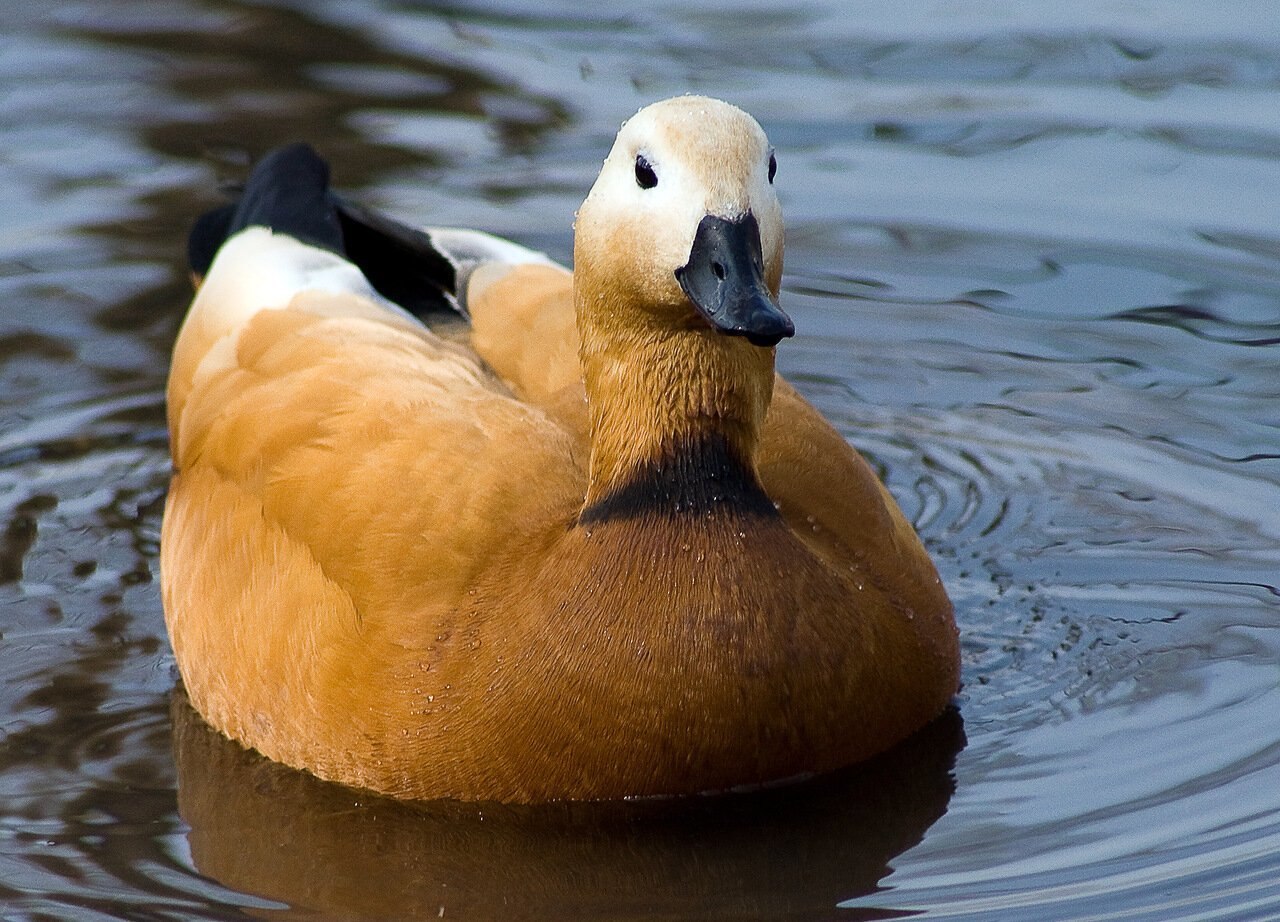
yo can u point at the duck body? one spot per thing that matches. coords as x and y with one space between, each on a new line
594 548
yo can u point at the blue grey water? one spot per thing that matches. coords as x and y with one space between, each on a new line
1034 263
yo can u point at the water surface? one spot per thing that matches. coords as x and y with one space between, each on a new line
1034 263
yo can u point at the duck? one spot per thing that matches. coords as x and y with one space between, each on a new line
450 521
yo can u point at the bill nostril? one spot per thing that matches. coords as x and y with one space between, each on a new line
718 270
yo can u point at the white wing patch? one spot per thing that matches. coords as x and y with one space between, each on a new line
258 270
468 248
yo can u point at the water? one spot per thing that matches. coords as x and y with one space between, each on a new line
1034 261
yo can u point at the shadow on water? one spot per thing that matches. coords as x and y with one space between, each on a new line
792 852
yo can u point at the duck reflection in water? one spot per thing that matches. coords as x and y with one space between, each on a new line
333 852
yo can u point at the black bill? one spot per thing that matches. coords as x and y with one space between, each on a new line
724 278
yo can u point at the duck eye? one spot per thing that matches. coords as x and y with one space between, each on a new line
773 167
646 178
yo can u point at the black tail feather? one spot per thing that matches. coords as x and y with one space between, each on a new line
288 191
399 261
207 235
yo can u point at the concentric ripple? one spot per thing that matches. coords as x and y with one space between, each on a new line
1118 599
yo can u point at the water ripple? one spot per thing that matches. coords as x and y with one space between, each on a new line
1033 261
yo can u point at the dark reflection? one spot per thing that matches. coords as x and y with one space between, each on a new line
1207 324
305 78
260 80
796 852
89 796
20 534
109 819
35 346
246 78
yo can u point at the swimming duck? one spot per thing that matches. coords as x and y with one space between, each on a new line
592 546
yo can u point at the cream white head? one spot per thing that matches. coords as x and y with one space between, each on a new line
684 217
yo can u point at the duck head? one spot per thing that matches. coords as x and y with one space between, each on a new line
684 224
677 265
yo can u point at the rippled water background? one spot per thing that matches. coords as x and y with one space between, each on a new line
1034 259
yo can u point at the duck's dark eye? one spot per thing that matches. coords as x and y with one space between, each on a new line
646 178
773 167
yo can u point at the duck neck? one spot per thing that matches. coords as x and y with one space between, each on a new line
675 416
